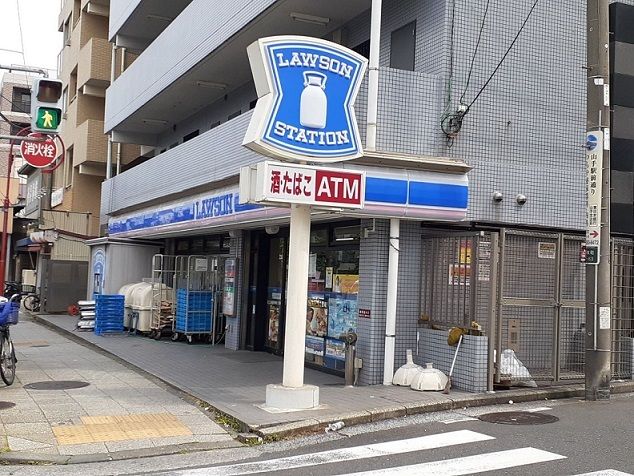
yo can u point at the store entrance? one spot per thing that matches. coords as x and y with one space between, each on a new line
267 292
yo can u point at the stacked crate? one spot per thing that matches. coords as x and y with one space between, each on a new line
194 311
109 313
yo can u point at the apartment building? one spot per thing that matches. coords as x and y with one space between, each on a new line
454 122
15 105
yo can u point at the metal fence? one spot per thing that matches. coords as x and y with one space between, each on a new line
541 304
622 308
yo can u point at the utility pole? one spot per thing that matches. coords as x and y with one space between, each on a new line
598 263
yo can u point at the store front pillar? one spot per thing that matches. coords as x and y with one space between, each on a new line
293 394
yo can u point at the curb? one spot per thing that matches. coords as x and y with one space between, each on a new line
287 430
28 458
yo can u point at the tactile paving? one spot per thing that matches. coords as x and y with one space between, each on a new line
120 427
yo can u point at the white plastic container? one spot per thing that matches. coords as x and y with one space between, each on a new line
429 379
126 291
313 107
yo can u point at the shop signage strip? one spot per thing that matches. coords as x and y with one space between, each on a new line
224 208
594 179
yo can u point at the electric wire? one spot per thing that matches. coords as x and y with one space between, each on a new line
503 57
475 51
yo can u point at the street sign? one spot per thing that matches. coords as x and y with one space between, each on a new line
594 179
306 89
278 183
39 154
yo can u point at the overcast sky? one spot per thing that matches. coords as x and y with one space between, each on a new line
42 41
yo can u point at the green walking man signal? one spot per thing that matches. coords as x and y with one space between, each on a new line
46 105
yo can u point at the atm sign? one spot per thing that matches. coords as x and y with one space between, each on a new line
285 183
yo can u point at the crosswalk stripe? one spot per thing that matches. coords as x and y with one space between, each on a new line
539 409
458 420
470 464
606 472
421 443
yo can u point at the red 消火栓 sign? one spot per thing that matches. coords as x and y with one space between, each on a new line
39 154
279 183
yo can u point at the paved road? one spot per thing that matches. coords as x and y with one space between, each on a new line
588 437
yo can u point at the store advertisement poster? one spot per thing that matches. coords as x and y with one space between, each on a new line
329 277
335 349
229 291
317 317
315 345
343 314
346 283
274 320
459 274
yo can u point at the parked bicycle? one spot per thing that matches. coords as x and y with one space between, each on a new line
9 313
30 299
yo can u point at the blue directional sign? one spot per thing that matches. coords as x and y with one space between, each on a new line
306 89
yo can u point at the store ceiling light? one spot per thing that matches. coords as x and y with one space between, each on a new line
305 18
154 122
211 85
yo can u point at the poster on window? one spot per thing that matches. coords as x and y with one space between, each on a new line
342 316
274 320
345 283
335 349
317 317
229 290
315 345
459 274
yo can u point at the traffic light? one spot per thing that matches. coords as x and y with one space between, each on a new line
46 105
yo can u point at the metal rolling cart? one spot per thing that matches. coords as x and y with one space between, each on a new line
163 306
197 286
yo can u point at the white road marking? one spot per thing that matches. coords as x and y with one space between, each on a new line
388 448
606 472
471 464
539 409
458 420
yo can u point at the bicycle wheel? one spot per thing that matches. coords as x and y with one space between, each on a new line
32 303
7 359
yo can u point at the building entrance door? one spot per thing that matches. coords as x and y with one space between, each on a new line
267 293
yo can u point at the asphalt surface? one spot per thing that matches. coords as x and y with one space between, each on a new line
589 436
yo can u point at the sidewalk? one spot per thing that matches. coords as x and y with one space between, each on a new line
233 382
112 413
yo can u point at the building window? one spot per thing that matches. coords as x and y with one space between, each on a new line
363 49
68 168
252 104
21 100
190 136
214 125
66 30
233 115
403 47
65 100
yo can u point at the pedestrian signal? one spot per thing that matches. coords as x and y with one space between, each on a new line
46 105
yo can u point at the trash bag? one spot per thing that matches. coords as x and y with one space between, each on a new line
511 368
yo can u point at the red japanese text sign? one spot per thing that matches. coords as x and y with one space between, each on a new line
279 183
39 154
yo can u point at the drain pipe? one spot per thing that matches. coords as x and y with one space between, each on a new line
123 51
392 273
113 62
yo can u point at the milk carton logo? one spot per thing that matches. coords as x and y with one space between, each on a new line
306 89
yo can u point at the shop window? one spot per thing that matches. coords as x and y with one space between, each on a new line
197 245
333 286
403 47
182 245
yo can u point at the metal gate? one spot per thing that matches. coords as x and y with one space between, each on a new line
541 306
622 308
456 279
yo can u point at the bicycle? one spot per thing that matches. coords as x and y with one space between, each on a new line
9 314
30 299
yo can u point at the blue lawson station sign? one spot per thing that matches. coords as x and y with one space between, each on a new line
306 89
